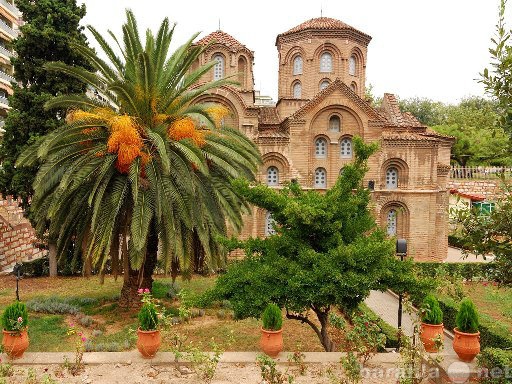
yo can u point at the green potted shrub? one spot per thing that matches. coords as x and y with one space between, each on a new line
148 334
432 328
15 336
271 341
467 337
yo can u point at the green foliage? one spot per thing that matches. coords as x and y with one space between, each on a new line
388 330
272 318
365 338
495 364
148 315
467 317
431 311
328 251
351 368
269 372
47 35
15 317
466 271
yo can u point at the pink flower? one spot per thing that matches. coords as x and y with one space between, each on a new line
146 290
140 290
71 325
495 283
485 284
20 319
84 339
80 333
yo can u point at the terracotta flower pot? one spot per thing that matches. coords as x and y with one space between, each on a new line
148 343
15 343
466 345
430 332
271 342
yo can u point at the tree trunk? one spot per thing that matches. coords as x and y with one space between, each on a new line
52 257
323 318
143 278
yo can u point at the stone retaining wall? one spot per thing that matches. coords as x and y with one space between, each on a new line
490 189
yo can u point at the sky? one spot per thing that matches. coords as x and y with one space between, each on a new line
420 48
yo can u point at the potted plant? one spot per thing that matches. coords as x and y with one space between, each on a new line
148 335
467 338
15 336
271 341
432 328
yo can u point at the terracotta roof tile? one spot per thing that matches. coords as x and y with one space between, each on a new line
322 23
223 38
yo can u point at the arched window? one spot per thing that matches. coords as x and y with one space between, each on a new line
353 87
272 176
297 65
320 148
320 178
326 62
391 178
218 68
352 62
346 147
324 84
334 123
391 222
297 90
241 71
269 225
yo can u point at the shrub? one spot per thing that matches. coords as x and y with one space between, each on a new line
272 318
148 316
15 317
431 311
495 363
467 317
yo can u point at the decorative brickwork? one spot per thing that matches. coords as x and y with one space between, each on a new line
17 237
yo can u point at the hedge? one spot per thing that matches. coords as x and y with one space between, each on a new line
492 332
388 330
496 364
468 271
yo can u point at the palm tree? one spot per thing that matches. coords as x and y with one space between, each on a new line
145 172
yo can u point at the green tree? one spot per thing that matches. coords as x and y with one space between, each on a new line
428 112
148 172
328 252
50 27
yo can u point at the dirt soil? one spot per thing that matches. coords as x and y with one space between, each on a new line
160 374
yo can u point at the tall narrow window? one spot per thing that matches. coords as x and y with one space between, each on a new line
272 176
326 62
218 68
346 148
269 225
391 223
320 148
353 87
297 65
320 178
241 71
391 178
324 84
334 123
297 90
352 65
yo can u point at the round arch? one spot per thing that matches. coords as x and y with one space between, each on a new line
401 167
397 211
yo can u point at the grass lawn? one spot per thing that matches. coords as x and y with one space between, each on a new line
493 302
93 308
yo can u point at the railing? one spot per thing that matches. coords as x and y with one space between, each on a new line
6 52
480 172
3 100
7 77
10 7
10 30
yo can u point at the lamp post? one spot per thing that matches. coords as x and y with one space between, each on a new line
401 250
16 270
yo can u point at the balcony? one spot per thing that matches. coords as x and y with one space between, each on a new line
7 77
10 7
6 28
4 51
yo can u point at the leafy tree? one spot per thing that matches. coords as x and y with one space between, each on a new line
428 112
498 80
328 252
148 172
50 27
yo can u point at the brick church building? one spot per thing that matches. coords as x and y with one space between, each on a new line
308 134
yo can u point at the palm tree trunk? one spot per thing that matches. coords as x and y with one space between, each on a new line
143 278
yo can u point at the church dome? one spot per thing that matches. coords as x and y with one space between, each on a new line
221 37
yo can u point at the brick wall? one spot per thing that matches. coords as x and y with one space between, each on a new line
490 189
17 237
